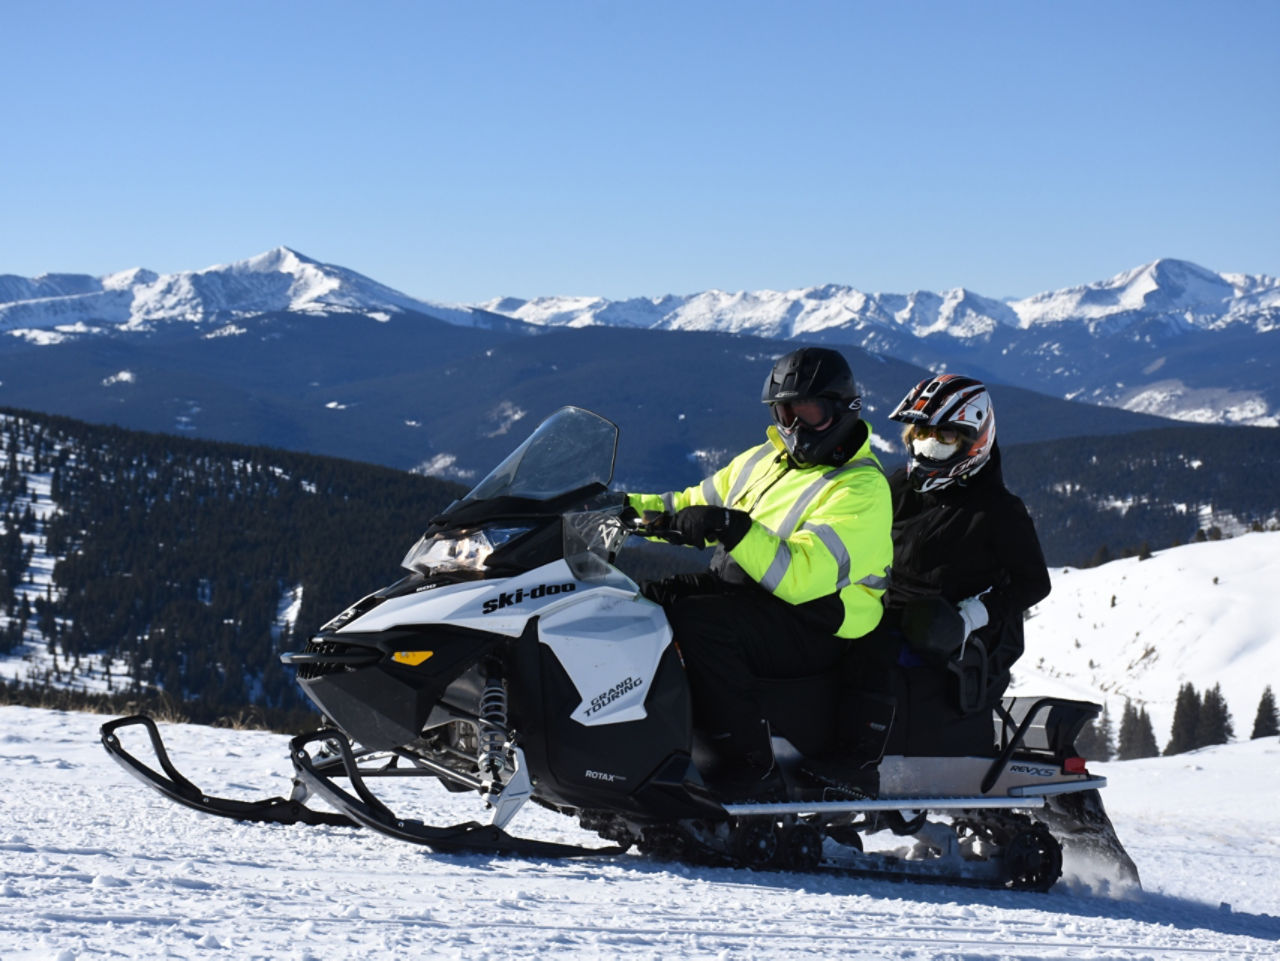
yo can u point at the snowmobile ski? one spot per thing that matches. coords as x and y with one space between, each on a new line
274 810
363 807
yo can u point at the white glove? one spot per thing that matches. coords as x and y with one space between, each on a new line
974 613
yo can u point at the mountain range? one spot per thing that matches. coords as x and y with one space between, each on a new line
1168 338
51 308
285 351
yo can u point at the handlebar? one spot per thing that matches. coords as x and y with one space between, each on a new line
654 525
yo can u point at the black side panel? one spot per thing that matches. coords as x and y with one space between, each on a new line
372 706
385 704
637 766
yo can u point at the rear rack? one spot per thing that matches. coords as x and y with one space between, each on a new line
1040 724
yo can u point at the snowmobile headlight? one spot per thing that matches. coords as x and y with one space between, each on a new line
458 551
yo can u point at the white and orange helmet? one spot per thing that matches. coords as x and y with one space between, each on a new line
951 429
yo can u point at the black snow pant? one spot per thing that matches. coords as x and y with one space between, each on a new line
928 720
731 636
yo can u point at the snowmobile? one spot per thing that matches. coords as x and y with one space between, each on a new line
517 662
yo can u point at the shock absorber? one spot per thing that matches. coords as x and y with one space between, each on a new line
491 747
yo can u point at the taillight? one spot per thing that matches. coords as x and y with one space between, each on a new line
1074 765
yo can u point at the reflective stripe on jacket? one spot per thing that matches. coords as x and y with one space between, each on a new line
815 531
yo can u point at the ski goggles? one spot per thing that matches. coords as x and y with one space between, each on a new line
945 435
814 413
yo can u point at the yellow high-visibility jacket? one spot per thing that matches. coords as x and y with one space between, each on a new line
816 530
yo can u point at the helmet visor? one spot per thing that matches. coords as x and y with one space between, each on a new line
945 435
816 413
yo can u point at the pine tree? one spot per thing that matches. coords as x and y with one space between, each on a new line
1137 739
1186 717
1125 738
1125 743
1093 743
1267 722
1214 724
1147 746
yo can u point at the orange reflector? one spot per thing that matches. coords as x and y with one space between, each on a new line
412 658
1074 765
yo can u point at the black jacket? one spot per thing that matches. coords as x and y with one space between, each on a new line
961 540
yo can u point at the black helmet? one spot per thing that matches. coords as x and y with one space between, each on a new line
815 405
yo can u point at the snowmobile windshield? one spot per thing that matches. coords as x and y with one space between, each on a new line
571 449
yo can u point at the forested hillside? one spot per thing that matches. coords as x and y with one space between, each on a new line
1099 497
155 562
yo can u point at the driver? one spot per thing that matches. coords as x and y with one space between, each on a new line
802 528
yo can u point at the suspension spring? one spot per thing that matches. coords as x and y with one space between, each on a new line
492 741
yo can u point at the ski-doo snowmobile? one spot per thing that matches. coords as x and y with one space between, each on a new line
515 661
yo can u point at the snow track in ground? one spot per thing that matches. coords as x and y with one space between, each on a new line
95 865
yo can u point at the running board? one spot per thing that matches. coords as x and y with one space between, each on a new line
275 810
1022 797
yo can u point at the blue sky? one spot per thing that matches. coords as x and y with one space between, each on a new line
468 150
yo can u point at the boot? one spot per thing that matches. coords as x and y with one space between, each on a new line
747 772
852 773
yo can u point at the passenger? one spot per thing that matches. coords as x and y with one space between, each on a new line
967 565
802 527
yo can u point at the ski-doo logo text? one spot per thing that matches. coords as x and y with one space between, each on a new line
601 701
520 595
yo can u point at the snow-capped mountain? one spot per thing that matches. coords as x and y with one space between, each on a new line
46 309
1169 338
790 314
1175 290
1181 293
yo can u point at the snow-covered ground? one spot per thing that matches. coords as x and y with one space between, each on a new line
1139 630
95 865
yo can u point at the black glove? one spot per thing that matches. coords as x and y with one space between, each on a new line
698 525
933 628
